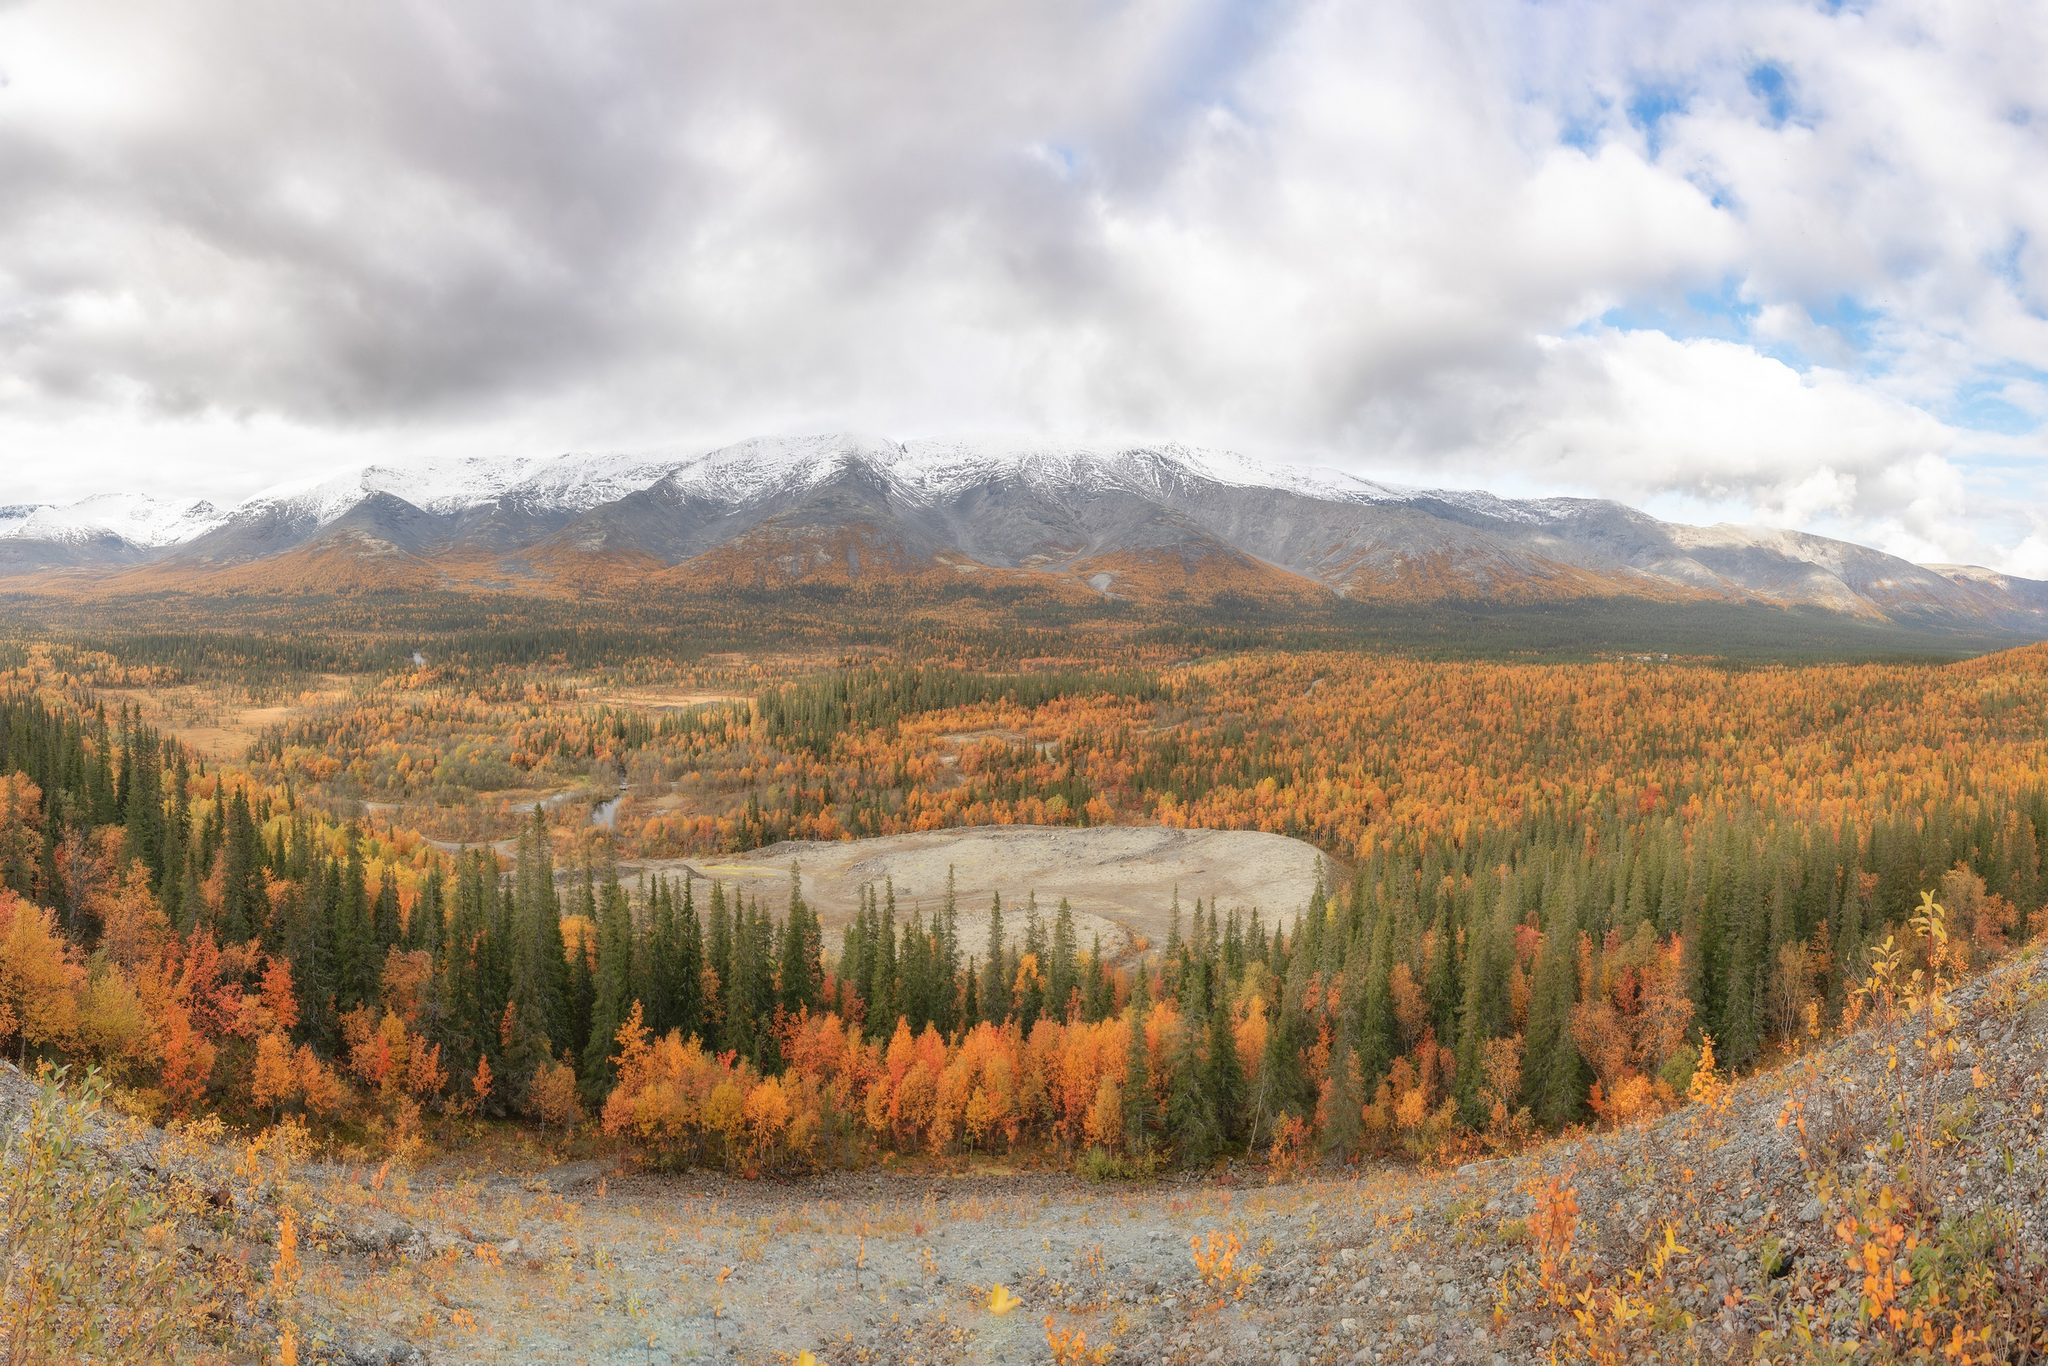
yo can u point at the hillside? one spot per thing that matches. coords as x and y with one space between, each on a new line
1784 1217
1556 900
1149 525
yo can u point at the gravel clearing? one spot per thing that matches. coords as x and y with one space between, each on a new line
1121 880
593 1262
1381 1263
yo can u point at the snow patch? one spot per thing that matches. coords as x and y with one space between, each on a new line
135 518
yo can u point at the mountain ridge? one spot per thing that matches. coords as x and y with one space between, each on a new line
1134 522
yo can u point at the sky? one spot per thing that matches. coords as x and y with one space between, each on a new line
1763 262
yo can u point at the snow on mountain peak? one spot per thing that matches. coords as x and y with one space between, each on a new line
446 484
741 473
134 517
931 469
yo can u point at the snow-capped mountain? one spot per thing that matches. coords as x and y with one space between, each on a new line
134 518
1124 521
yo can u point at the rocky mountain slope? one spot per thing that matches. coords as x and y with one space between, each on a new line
1135 522
1758 1222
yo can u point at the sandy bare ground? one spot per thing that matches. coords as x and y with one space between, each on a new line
1120 880
220 729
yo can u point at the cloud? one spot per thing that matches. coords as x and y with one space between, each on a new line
1755 258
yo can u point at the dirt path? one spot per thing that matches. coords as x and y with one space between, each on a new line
855 1268
1377 1263
1120 880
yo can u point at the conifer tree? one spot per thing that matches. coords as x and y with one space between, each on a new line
612 998
946 961
385 930
1059 975
744 1003
1028 988
995 987
686 1008
1551 1074
540 963
1137 1092
802 976
582 987
718 975
428 923
1191 1123
1342 1112
1223 1075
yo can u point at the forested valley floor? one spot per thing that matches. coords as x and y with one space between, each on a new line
353 924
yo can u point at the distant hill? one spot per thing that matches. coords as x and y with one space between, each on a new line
1141 524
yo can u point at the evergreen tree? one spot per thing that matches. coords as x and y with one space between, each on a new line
582 989
744 1002
884 992
612 1000
995 987
385 929
1137 1092
1029 987
357 962
244 906
686 1011
802 977
1191 1123
946 961
1223 1076
539 962
719 974
1343 1110
1551 1073
1059 975
425 929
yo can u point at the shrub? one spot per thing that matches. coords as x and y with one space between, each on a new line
1100 1164
91 1262
551 1096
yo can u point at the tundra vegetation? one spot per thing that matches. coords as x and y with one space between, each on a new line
1564 898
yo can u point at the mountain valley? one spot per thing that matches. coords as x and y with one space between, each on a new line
1153 526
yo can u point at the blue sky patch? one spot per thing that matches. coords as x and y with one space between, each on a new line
1981 405
1648 108
1768 84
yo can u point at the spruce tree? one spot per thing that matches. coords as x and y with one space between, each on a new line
425 929
946 961
1551 1072
802 976
1343 1109
582 989
718 944
243 906
885 999
743 1007
1191 1124
612 998
686 1006
539 961
1137 1092
1223 1075
1059 975
995 987
385 929
1029 988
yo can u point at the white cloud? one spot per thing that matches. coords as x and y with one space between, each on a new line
1383 234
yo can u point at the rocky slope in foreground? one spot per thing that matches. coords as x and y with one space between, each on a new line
589 1263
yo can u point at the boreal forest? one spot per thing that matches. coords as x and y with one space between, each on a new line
1546 889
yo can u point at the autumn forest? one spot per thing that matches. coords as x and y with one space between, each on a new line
403 892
